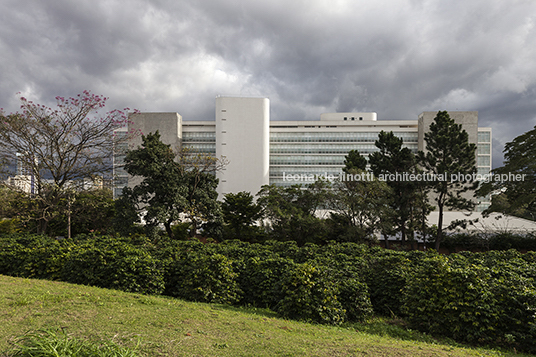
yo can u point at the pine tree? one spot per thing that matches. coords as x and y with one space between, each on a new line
448 153
354 161
391 159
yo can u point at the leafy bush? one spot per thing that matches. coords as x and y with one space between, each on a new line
459 297
355 299
387 275
114 265
487 242
481 298
203 277
308 294
10 225
260 280
32 256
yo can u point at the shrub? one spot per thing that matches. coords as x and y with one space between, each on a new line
387 275
260 279
470 302
355 299
308 294
114 265
10 225
203 277
32 256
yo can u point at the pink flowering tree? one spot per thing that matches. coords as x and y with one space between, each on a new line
57 149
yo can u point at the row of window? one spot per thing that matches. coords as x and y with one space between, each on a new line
207 136
202 148
336 137
307 160
326 148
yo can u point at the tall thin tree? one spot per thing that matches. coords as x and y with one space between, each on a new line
448 153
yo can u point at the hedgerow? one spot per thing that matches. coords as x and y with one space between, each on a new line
480 298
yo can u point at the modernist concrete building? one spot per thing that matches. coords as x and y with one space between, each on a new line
261 151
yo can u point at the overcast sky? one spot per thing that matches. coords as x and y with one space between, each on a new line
394 57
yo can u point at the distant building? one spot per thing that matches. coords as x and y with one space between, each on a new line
261 151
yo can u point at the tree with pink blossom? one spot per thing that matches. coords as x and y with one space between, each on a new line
61 147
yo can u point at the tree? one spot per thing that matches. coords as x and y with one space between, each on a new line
515 196
360 206
354 161
161 190
90 211
240 213
392 162
448 153
59 148
175 186
291 212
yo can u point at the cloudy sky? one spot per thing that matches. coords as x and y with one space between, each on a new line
394 57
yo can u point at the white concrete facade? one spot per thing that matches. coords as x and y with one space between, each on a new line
243 140
260 151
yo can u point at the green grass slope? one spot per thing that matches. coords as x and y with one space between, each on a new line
161 326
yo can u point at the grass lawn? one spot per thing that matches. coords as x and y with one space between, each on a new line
162 326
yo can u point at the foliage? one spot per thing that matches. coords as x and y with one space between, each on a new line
354 161
173 185
290 212
465 299
393 159
360 208
10 225
308 294
203 277
387 274
260 279
32 256
90 211
448 152
240 213
486 242
355 299
113 264
517 197
480 298
67 145
126 220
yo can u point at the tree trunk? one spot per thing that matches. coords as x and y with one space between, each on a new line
403 231
387 242
69 218
193 231
439 228
169 231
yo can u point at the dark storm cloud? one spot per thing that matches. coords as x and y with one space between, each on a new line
397 58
